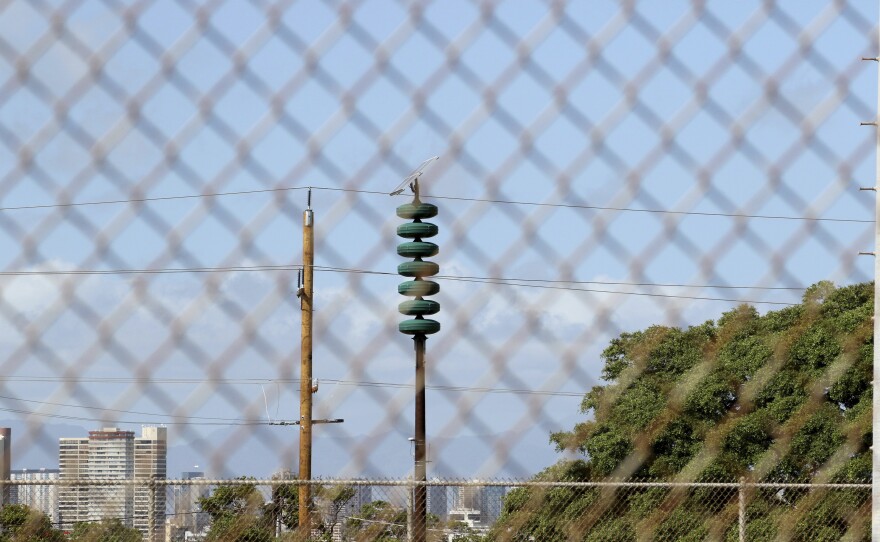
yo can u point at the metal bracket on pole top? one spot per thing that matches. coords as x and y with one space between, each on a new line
298 422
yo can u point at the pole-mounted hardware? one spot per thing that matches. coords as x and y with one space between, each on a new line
419 327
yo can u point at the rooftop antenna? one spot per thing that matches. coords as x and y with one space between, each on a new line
413 178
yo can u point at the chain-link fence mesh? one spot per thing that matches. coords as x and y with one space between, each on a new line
464 510
604 167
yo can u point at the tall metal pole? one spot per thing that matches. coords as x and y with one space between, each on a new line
419 327
875 442
420 492
305 386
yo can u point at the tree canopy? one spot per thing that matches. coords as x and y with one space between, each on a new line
239 512
783 396
108 529
19 523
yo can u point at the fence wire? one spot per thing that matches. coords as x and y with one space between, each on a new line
465 510
605 168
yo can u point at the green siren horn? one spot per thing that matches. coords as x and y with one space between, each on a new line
417 269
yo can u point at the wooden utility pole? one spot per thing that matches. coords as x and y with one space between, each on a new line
305 386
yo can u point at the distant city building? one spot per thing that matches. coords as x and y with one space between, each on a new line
469 516
113 454
150 463
487 499
491 504
73 500
438 500
467 497
363 495
38 497
187 512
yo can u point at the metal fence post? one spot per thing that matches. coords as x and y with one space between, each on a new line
409 510
151 511
742 510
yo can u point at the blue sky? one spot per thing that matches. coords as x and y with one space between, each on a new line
737 107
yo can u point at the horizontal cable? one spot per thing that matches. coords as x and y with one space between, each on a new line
451 198
366 384
523 283
104 409
141 422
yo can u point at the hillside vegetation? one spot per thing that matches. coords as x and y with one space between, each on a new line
784 396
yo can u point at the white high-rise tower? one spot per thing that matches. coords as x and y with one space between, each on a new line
114 454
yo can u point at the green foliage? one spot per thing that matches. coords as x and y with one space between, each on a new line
283 507
767 397
379 521
108 529
815 349
239 513
743 355
19 523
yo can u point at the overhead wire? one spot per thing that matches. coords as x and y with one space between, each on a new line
105 409
516 282
562 205
140 422
210 420
257 381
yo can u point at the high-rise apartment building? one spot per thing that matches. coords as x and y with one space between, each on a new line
111 456
42 498
150 463
187 513
73 464
114 454
492 504
438 500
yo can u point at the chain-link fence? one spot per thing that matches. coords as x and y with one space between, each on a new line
612 176
465 510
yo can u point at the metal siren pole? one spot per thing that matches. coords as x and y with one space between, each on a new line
419 327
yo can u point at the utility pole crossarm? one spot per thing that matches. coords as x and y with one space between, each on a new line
297 422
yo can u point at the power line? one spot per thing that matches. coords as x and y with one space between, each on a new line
366 384
218 421
517 282
140 422
643 294
170 270
560 281
104 409
451 198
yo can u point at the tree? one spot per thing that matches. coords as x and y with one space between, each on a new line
784 396
378 521
101 531
19 523
332 499
283 509
238 514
